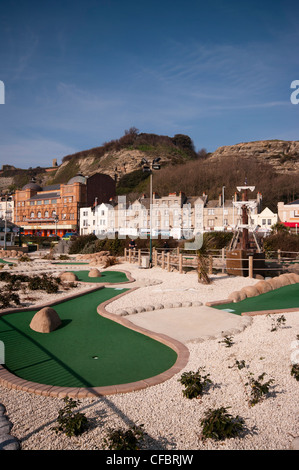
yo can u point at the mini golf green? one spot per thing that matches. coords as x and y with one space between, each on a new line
88 350
5 262
114 277
284 297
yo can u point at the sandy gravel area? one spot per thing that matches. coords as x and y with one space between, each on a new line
171 421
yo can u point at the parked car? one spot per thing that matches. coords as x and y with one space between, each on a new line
69 235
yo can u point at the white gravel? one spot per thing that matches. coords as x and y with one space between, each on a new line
171 421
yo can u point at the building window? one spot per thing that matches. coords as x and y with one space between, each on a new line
269 222
46 213
263 221
31 203
39 214
72 216
210 211
211 222
32 215
39 203
53 201
46 201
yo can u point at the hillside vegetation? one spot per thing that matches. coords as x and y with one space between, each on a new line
196 177
270 166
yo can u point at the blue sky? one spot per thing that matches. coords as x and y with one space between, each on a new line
78 74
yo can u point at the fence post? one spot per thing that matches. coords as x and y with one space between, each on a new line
125 253
278 254
163 260
250 266
168 261
180 263
155 258
130 255
139 257
223 260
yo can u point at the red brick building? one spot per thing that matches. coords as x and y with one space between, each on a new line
56 209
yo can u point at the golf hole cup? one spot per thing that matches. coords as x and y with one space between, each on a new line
295 352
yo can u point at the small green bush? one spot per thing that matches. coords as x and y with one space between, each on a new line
50 285
25 259
227 341
219 425
69 422
239 364
120 439
78 243
64 257
194 383
8 277
295 371
278 322
259 389
8 299
284 241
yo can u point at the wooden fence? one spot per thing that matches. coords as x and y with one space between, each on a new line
182 261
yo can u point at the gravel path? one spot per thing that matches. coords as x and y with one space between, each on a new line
171 421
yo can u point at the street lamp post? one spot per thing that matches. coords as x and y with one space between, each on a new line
149 167
5 198
223 187
56 220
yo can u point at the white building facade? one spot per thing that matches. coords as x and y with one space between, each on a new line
100 220
7 208
264 220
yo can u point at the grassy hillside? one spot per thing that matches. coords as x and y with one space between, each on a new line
178 147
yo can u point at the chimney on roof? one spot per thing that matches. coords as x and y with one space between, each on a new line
220 200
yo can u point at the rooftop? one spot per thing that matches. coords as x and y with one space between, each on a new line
45 196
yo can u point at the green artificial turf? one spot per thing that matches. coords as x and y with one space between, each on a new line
5 262
285 297
86 351
114 277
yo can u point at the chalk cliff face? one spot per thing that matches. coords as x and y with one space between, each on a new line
111 163
282 155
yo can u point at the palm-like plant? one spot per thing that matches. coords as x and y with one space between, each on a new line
203 261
